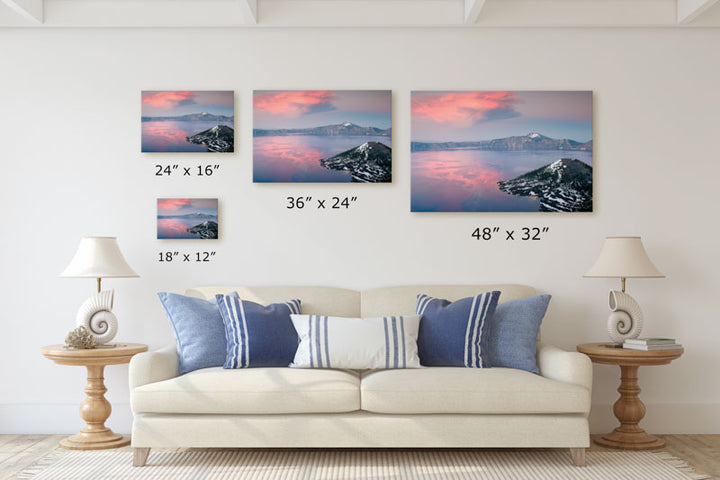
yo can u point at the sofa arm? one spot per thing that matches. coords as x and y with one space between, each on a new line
563 366
151 367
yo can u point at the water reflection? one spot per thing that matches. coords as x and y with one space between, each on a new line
297 158
176 227
170 136
466 180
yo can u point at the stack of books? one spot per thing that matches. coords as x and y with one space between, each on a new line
651 344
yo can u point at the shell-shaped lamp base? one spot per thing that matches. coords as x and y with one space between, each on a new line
96 315
626 319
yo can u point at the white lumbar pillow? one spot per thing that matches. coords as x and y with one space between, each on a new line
356 343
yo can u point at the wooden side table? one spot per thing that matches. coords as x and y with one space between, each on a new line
95 409
629 410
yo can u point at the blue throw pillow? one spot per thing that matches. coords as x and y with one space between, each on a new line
258 336
199 331
514 332
455 334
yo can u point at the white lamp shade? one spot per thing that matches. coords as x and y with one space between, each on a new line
623 257
98 257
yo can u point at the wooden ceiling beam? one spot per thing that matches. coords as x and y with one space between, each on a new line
32 10
689 10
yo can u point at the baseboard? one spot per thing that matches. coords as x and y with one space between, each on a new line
669 418
64 418
38 418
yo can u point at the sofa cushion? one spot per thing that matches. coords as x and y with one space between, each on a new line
251 391
469 390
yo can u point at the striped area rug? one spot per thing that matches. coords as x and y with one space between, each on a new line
357 464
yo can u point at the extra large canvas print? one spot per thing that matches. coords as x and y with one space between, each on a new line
188 121
322 136
187 218
502 151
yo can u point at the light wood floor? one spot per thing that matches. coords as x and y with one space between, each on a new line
20 451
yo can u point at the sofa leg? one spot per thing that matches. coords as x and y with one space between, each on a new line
578 456
140 456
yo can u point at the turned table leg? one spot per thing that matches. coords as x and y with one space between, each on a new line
629 410
95 409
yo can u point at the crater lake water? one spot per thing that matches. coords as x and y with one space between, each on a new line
176 227
296 158
170 135
466 180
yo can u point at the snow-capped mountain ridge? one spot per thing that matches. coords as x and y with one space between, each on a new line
562 186
341 129
369 162
192 117
219 138
531 141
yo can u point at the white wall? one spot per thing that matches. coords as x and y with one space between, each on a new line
71 165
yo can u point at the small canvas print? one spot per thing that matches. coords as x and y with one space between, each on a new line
322 136
502 151
187 218
188 121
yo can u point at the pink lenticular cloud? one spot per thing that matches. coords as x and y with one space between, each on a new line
178 206
170 99
294 103
173 204
465 108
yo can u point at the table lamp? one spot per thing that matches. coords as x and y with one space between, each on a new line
98 257
623 257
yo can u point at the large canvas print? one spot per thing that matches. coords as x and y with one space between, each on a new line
188 121
502 151
322 136
187 218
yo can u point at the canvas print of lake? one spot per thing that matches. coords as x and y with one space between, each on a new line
187 218
322 136
502 151
188 121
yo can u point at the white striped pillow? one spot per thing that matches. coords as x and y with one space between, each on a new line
356 343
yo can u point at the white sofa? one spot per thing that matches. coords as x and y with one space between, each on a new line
434 407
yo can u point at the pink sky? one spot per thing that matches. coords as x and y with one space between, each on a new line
170 206
487 114
463 108
293 103
276 109
181 102
167 100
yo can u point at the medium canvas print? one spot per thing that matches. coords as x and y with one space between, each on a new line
322 136
187 218
188 121
502 151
